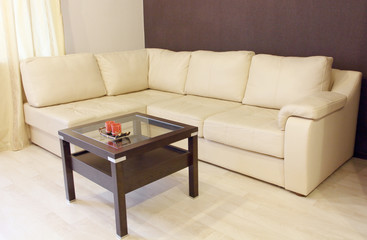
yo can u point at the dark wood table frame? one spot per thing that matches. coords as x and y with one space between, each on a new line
128 168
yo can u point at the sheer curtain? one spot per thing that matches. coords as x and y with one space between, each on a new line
27 28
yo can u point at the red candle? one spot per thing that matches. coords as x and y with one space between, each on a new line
116 129
108 126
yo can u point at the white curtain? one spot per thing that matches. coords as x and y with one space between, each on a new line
28 28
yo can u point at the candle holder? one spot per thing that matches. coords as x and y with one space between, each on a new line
102 131
116 129
108 126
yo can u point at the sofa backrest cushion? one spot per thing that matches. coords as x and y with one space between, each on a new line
275 81
221 75
55 80
168 70
124 72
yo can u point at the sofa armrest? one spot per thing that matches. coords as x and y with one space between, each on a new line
314 149
315 106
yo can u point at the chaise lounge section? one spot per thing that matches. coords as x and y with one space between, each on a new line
289 121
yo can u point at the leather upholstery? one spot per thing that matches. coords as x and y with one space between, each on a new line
124 72
257 165
192 110
147 97
319 125
219 75
275 81
55 80
315 149
314 106
168 70
54 118
247 127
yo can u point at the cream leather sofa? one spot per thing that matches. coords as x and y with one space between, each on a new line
289 121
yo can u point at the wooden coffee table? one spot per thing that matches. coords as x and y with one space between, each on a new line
129 163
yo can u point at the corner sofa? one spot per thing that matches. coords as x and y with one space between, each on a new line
289 121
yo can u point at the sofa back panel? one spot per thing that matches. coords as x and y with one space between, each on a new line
221 75
275 81
124 72
55 80
168 70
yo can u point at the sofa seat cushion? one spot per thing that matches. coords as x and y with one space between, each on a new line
275 81
192 110
148 97
62 79
54 118
221 75
124 72
249 128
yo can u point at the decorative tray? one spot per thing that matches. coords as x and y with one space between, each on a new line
102 131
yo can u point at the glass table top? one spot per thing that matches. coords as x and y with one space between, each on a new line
140 127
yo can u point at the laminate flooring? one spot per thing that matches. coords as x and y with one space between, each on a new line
229 206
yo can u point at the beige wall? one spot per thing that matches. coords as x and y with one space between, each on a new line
102 25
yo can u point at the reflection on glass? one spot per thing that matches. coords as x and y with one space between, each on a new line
141 128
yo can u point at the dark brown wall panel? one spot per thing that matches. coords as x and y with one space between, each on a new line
336 28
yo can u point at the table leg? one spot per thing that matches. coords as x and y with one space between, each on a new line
119 198
193 168
68 170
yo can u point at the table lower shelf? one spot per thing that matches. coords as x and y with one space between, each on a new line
139 170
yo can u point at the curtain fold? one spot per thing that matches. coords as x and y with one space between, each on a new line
28 28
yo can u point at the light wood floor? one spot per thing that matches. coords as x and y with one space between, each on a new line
230 206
